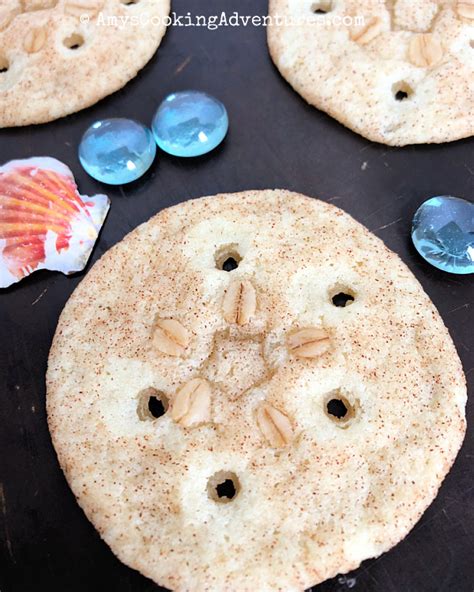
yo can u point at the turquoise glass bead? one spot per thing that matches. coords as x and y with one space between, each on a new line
190 123
443 233
117 151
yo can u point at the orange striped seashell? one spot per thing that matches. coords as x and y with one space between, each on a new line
44 222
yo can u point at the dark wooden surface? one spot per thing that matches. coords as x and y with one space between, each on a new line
275 140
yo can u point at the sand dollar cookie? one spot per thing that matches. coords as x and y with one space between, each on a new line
395 71
60 56
251 392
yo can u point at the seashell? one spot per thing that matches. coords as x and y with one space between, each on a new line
44 222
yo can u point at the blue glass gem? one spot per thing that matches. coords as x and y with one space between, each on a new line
117 151
443 233
190 123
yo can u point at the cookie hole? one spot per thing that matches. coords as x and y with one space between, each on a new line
339 409
322 6
74 41
402 91
226 489
4 65
228 258
401 95
152 404
342 299
156 407
129 2
223 487
230 264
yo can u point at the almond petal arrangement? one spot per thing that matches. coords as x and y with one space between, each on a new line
44 222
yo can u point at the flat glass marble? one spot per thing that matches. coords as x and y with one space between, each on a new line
443 233
190 123
117 151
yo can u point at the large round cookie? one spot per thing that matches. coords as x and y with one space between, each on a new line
60 56
395 71
300 436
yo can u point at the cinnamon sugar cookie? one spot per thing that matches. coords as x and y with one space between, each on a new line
60 56
395 71
251 392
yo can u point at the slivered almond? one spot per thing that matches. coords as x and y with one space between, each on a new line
192 403
425 51
311 342
465 9
240 302
170 337
33 5
275 426
78 8
7 14
367 32
35 39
